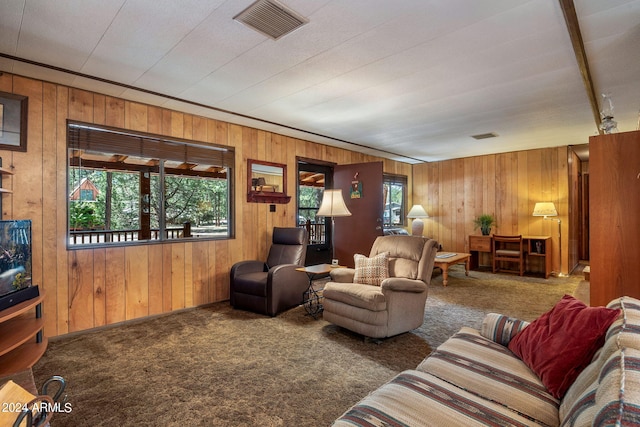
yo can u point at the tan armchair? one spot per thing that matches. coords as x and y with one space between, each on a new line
394 307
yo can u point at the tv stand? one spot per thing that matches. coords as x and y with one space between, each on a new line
22 342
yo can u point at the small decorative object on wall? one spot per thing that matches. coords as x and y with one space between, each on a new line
356 188
266 182
484 222
13 122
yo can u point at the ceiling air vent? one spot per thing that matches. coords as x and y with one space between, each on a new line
270 18
484 135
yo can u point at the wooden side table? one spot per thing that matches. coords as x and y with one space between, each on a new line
446 259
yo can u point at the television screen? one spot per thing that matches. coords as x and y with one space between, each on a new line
15 255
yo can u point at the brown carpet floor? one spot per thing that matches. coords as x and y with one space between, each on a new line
216 366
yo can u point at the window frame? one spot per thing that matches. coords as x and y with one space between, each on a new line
97 138
402 180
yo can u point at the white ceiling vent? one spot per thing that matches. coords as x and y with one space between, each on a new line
484 135
270 18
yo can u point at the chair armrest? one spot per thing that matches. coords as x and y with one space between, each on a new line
285 273
244 267
401 284
342 275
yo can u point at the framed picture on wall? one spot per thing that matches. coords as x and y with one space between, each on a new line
356 190
13 122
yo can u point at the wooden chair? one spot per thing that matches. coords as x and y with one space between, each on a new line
508 249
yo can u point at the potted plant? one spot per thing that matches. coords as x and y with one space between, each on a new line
484 222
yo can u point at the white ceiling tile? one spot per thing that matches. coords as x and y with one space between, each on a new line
214 42
10 20
64 35
141 34
412 77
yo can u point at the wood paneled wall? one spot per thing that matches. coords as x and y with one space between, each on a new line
88 288
507 185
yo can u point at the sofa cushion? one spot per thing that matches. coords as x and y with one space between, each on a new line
618 395
252 283
579 404
414 398
613 399
501 328
558 345
583 410
371 271
625 330
369 297
489 370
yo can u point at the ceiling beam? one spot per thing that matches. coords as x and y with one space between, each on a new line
571 19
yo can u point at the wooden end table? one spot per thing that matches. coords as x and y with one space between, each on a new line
311 297
446 259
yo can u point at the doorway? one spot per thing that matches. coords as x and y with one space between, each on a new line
583 247
361 186
313 178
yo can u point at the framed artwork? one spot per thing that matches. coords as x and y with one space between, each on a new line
13 122
356 189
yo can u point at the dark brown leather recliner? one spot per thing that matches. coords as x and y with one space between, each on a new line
275 286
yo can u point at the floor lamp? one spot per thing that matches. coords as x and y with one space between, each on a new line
332 205
416 212
547 209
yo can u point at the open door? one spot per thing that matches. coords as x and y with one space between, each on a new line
361 186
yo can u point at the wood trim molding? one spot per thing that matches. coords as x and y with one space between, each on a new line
573 27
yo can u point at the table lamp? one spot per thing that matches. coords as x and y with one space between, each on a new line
416 212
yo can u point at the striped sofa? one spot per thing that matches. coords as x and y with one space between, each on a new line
474 380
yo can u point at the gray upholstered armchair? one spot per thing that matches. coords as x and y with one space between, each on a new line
397 304
273 286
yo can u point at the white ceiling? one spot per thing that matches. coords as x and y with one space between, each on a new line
413 78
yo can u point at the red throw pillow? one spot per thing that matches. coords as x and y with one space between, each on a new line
558 345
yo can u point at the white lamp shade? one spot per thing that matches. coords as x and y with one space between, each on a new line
545 209
333 204
417 211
